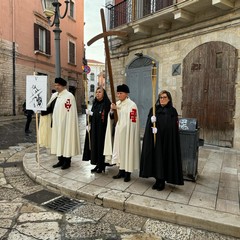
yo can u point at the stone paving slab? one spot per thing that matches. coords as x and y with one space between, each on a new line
114 224
194 204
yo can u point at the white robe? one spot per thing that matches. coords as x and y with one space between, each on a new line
63 138
125 151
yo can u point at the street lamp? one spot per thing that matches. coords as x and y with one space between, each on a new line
50 8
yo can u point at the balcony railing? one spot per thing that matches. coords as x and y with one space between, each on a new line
129 10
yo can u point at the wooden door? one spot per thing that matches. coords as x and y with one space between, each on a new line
209 74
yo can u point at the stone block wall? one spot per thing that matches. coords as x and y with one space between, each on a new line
173 51
6 78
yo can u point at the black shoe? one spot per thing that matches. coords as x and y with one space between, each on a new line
127 177
120 174
101 169
28 131
65 166
66 163
109 164
59 164
94 169
155 185
159 185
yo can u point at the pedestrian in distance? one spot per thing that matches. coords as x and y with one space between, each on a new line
28 113
59 128
95 131
125 152
162 159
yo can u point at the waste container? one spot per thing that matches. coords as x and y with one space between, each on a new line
189 141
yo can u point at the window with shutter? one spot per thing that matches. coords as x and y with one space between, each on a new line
71 52
92 76
72 10
42 39
92 88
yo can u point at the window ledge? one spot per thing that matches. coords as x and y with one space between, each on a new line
42 53
73 64
72 18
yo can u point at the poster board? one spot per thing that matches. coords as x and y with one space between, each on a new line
36 93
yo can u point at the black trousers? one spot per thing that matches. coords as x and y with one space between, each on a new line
29 120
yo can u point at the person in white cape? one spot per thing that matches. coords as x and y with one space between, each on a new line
124 151
59 128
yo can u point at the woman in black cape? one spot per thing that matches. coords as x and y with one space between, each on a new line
98 116
162 161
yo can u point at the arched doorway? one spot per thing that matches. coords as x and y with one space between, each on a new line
140 83
209 74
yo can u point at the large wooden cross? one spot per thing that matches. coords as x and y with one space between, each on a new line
104 35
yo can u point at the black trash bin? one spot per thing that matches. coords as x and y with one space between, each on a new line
189 141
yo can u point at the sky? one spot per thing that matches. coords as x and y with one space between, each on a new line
93 27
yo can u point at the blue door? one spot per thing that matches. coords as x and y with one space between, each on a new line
139 80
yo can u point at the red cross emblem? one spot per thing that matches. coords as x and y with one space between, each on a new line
68 104
133 115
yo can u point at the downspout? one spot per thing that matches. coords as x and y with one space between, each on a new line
14 78
13 61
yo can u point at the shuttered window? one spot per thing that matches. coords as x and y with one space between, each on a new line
92 88
42 42
71 52
72 9
92 76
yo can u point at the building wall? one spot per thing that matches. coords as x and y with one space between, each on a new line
172 50
18 28
96 68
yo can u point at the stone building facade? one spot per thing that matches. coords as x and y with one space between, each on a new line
27 48
195 45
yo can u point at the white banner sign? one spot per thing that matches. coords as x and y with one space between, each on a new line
36 93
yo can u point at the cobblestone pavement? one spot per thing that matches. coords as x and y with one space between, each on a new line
21 218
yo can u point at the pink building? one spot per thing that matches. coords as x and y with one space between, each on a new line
27 47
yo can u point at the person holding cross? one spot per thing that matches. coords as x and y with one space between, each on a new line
125 152
162 159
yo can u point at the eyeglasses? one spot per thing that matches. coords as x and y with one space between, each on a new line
163 97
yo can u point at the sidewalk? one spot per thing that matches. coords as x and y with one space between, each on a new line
4 119
211 203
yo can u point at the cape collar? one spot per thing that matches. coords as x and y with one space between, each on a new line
62 92
124 101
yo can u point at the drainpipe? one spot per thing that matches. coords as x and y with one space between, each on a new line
13 61
14 78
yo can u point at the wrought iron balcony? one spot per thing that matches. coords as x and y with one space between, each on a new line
128 10
148 18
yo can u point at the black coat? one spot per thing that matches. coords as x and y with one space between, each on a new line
164 160
98 124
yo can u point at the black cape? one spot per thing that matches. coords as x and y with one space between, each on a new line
98 124
164 160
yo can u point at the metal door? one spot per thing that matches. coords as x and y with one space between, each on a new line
209 91
140 83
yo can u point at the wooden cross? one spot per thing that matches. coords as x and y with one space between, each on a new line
104 35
